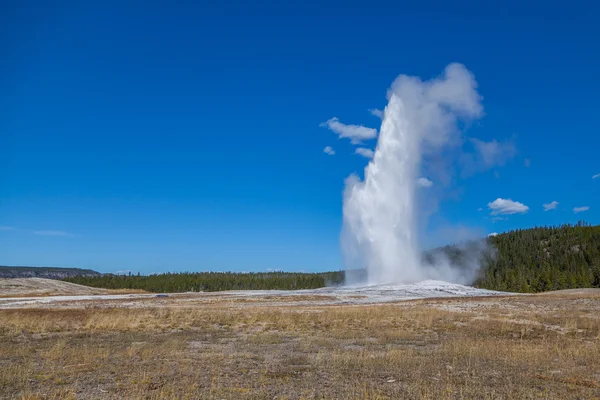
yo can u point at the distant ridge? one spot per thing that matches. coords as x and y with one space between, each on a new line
45 272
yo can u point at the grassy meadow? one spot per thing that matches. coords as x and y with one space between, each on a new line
527 347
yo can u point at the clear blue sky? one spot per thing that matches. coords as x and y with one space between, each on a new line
154 136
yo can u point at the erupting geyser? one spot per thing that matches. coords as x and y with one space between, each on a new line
380 213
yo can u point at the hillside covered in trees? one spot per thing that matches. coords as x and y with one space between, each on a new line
543 258
44 272
527 260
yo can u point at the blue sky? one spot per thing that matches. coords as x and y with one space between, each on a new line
152 137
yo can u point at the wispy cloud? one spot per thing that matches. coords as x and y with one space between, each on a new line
376 112
527 163
329 150
367 153
493 234
356 133
507 207
485 156
6 228
596 176
580 209
550 206
449 233
424 182
493 153
52 233
496 219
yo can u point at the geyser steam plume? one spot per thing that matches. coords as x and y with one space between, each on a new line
380 212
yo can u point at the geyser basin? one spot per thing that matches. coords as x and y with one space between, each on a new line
371 294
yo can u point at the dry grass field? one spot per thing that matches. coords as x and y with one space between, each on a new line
526 347
27 287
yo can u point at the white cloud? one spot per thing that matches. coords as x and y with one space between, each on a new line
493 234
356 133
329 150
367 153
494 152
496 219
52 233
424 182
6 228
596 176
550 206
580 209
376 112
507 207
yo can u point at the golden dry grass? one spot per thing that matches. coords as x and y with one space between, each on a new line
50 294
534 347
40 287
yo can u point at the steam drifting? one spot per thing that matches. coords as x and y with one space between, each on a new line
380 212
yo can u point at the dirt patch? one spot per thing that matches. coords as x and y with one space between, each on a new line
573 292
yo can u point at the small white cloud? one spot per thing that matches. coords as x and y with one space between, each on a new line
424 182
480 209
527 163
6 228
52 233
580 209
496 174
596 176
367 153
356 133
550 206
329 150
493 234
376 112
507 207
496 219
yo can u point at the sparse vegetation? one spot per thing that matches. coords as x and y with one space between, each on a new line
544 346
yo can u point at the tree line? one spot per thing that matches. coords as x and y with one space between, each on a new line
524 260
212 281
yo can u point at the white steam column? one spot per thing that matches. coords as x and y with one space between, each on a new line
380 213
